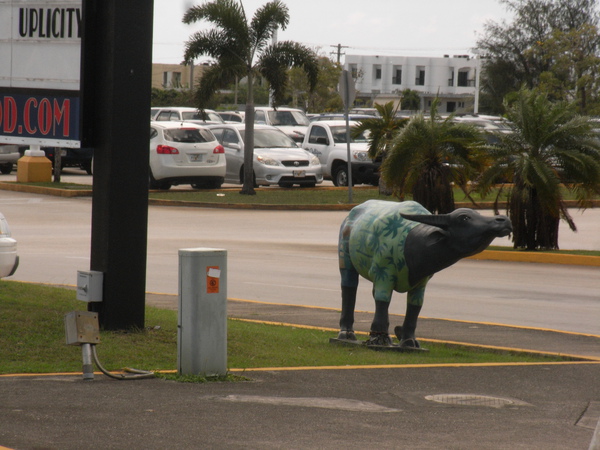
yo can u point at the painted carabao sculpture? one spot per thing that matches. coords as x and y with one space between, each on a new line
398 247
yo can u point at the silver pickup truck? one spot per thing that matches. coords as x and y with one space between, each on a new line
9 154
327 140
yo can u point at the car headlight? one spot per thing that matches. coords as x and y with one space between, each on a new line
267 161
314 161
361 156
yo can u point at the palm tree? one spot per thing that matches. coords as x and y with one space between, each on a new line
549 146
427 156
244 49
381 130
411 100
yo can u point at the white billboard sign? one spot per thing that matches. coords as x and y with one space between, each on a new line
40 50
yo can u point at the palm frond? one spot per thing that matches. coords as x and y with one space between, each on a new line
428 154
226 14
214 78
277 59
216 44
266 20
381 130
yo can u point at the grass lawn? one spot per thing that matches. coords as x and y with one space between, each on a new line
293 196
33 341
279 196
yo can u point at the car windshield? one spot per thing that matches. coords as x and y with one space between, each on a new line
272 139
4 229
289 118
190 135
339 135
197 115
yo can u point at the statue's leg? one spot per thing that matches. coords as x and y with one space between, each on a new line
347 316
380 325
349 289
406 333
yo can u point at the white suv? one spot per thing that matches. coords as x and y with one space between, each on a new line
185 153
186 114
9 260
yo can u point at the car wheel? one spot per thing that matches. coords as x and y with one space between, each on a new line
6 168
87 166
156 184
340 178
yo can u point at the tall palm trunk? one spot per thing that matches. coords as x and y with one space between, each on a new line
384 189
248 186
434 191
534 226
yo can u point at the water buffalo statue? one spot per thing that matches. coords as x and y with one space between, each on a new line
398 247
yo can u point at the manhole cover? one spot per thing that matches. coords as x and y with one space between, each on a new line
471 400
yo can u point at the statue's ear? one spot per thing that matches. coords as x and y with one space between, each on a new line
435 220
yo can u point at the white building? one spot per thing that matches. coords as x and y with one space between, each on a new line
454 80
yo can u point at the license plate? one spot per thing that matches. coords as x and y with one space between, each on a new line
195 158
299 173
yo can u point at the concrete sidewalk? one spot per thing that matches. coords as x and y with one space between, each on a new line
545 406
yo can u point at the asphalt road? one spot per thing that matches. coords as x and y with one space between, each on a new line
290 257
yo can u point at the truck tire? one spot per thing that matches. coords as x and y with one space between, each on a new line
5 169
340 177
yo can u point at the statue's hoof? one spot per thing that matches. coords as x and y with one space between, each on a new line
379 339
410 343
398 332
405 342
347 335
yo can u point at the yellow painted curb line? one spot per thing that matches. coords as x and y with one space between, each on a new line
534 257
45 190
409 366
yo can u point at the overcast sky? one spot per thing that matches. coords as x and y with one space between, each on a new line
369 27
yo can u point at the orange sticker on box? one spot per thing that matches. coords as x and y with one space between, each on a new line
213 275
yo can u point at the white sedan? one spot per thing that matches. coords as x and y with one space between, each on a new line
9 260
277 158
185 153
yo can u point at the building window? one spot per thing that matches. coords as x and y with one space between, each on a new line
463 79
397 76
176 80
171 80
451 79
450 107
420 79
377 73
354 71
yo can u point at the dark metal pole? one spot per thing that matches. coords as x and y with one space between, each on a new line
116 81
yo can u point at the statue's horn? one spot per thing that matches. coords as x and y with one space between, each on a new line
435 220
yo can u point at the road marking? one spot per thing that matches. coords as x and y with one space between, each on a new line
288 286
312 402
